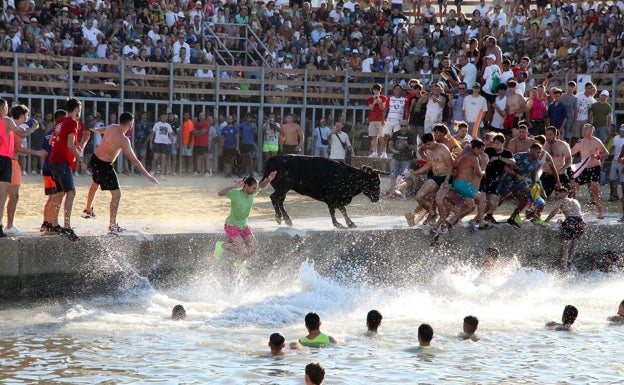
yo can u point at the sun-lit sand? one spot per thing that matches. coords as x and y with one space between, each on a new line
183 204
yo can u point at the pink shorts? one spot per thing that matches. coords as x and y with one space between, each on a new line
233 232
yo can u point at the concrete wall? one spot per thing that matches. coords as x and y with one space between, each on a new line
50 266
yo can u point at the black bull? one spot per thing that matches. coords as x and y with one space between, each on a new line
325 180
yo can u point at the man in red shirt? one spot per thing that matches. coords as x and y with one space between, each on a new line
378 105
201 151
65 152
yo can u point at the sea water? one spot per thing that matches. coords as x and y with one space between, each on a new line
129 338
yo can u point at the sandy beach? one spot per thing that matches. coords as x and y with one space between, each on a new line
183 204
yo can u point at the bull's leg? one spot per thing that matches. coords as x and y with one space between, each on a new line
283 212
348 220
275 200
332 213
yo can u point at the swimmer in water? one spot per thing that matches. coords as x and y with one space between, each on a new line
619 318
471 323
373 321
314 373
567 319
178 313
314 338
425 335
277 344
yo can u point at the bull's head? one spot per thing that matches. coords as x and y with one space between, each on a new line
371 183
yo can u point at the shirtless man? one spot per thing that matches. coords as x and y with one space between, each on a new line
441 134
572 228
593 154
439 168
290 136
516 104
468 170
102 166
521 143
562 159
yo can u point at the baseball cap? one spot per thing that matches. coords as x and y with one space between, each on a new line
355 51
604 92
491 56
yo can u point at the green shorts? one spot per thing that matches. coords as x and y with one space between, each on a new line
270 148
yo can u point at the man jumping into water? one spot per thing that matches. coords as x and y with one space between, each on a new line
240 239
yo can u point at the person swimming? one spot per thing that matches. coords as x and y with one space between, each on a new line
567 319
373 321
178 313
277 344
314 338
471 323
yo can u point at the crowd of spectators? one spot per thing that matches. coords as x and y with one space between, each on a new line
560 36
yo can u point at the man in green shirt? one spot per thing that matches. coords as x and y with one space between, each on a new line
240 239
600 114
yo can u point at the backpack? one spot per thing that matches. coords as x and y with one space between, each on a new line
495 82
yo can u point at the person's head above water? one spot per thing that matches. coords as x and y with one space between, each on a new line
178 313
373 320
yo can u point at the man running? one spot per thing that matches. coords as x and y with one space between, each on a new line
102 167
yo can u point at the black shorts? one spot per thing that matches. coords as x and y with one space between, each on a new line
490 98
548 182
247 148
63 177
200 150
103 173
490 185
589 175
572 228
289 149
161 148
228 154
6 169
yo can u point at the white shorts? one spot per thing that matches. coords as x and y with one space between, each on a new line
392 126
376 129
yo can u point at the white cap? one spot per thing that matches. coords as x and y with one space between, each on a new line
604 92
491 56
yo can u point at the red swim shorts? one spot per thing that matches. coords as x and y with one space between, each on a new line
233 232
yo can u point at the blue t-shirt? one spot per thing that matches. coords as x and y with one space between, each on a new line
556 114
229 137
247 133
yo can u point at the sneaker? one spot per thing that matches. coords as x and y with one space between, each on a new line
115 229
196 173
383 155
472 225
89 214
243 269
513 223
490 218
529 214
518 220
219 250
540 222
68 233
373 155
24 173
55 230
614 199
411 218
13 231
208 174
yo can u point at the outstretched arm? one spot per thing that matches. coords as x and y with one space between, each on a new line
265 182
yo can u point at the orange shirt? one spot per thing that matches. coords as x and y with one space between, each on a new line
188 139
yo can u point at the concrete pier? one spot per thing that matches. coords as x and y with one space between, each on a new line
36 266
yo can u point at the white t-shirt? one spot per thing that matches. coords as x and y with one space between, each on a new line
487 75
618 142
336 151
498 119
321 132
434 111
469 72
472 106
584 102
161 132
397 108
